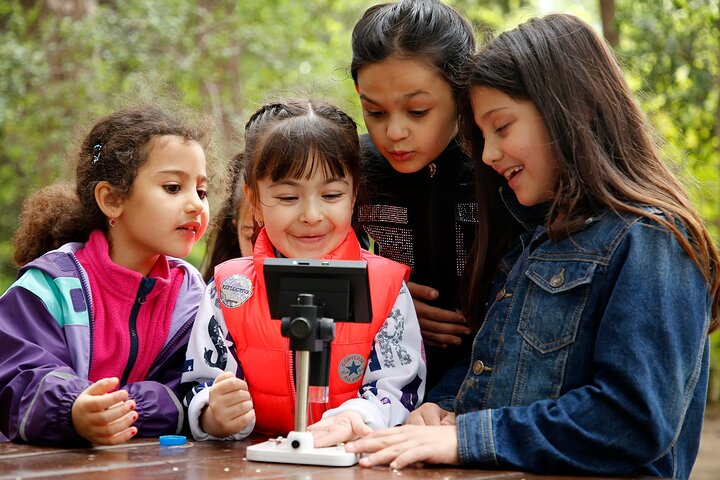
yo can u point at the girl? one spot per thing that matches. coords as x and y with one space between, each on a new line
232 235
303 160
94 330
419 206
593 355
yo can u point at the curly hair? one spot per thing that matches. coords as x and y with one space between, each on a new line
113 151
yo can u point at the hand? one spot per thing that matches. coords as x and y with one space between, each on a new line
430 414
339 428
402 446
439 327
230 408
103 414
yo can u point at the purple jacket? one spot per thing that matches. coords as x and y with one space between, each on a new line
46 321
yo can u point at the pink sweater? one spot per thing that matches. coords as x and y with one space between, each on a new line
114 292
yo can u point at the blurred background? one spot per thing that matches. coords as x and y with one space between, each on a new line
64 63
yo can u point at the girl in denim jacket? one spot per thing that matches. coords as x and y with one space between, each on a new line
593 353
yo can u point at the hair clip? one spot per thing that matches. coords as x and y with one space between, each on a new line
96 153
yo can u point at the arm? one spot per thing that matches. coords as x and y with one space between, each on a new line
394 381
38 384
625 418
208 356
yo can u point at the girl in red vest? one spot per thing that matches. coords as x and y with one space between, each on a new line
301 171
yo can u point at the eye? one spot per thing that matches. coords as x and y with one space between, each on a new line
202 193
374 113
333 197
172 188
499 130
418 113
286 199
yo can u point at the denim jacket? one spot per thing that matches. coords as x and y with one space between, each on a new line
593 356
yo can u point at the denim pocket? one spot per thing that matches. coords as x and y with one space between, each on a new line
551 312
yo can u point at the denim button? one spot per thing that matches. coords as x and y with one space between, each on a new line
478 367
500 295
558 279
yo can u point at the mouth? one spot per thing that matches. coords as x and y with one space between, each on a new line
400 155
190 227
310 238
511 172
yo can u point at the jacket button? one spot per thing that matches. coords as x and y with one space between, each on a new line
558 279
478 367
500 294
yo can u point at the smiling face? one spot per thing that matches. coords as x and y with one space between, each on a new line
409 111
166 211
516 144
306 217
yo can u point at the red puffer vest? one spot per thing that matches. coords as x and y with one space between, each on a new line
264 353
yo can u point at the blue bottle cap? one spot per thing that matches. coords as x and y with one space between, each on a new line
172 440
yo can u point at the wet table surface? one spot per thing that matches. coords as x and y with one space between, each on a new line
145 458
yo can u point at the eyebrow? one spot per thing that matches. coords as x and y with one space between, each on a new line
180 173
414 93
294 183
490 112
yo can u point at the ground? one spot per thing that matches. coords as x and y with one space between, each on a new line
707 466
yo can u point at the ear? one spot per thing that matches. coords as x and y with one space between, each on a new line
253 204
110 203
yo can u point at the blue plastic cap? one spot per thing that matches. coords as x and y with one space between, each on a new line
172 440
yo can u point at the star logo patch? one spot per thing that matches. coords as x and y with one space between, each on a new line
352 368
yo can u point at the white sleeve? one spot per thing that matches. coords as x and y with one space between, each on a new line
209 354
395 376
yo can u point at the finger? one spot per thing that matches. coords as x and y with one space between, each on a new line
422 292
224 376
240 422
118 438
102 386
230 385
104 402
114 413
441 316
440 340
328 438
230 412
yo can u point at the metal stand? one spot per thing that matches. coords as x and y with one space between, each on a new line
307 334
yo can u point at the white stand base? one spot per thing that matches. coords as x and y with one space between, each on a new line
298 448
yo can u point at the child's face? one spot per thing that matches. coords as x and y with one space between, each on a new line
516 144
306 218
167 209
409 110
245 229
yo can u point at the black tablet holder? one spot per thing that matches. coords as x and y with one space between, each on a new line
309 296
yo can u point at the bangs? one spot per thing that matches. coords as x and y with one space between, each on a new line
298 150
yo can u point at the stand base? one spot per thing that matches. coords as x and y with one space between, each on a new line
297 448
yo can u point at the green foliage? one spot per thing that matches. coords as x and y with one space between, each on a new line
59 72
670 49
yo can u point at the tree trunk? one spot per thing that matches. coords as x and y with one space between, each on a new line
609 25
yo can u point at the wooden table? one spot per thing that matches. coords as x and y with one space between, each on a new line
145 458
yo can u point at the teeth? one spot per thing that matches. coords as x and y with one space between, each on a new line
509 173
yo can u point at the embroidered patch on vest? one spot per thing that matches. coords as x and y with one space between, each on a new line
235 290
351 368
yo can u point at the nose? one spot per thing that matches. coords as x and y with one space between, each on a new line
491 152
312 212
396 128
195 204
